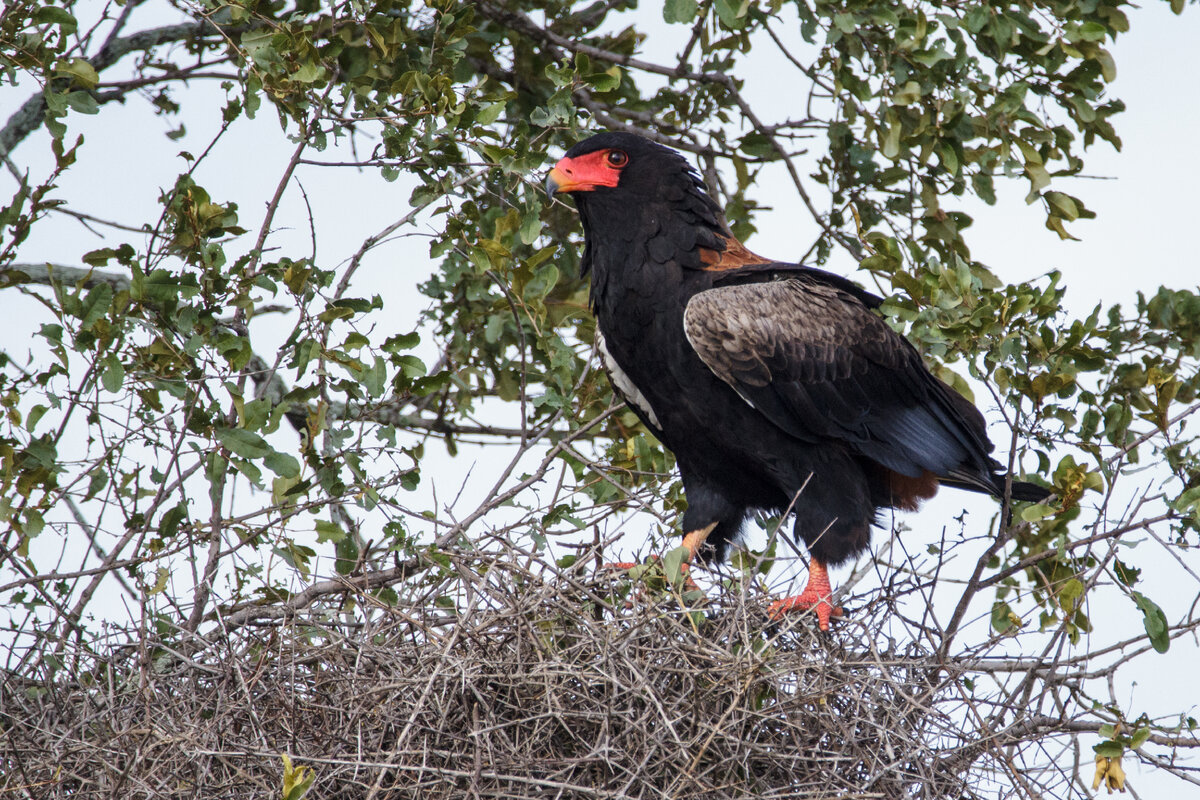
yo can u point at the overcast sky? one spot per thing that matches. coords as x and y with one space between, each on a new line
1146 206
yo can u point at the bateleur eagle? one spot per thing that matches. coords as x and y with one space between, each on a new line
777 386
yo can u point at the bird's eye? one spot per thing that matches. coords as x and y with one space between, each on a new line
617 158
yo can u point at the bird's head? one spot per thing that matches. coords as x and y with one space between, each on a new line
630 190
616 163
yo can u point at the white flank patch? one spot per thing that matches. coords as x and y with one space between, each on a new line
624 384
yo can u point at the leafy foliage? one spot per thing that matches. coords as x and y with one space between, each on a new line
220 423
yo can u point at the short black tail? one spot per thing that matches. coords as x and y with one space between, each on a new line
1023 491
1026 492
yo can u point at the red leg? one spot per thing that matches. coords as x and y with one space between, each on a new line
692 541
816 596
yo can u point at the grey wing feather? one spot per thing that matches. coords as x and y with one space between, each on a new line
821 365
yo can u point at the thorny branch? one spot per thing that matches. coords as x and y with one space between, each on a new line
472 649
29 116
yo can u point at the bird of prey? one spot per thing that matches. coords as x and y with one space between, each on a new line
777 386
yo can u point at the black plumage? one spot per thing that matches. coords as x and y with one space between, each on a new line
777 386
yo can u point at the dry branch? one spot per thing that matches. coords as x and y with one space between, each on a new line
544 683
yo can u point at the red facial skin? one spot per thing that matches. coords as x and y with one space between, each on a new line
587 172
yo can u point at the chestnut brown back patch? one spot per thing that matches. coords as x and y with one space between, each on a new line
733 256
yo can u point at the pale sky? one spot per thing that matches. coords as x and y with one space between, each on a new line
1141 239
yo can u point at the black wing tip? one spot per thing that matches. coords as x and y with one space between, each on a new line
1027 492
1021 491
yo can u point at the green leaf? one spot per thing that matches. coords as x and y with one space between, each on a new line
244 443
53 15
113 376
1139 737
335 313
1155 621
411 366
168 526
95 305
890 147
1003 618
282 464
309 73
680 10
329 531
846 23
403 341
1039 511
1039 176
531 228
83 102
757 145
33 525
296 780
97 480
1126 574
605 81
907 94
34 416
100 257
1093 31
347 553
1189 499
984 187
732 18
1056 224
1108 67
161 576
1063 205
673 565
374 377
1069 594
80 70
490 113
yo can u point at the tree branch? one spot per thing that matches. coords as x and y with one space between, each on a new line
32 112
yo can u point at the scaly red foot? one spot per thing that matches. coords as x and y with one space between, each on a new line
816 597
807 601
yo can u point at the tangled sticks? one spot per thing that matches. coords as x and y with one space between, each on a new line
538 682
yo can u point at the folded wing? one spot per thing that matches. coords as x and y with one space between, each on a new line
821 365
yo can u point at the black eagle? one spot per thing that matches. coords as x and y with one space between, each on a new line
777 386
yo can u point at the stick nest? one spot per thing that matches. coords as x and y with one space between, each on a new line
529 682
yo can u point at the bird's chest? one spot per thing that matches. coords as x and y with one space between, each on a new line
644 349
